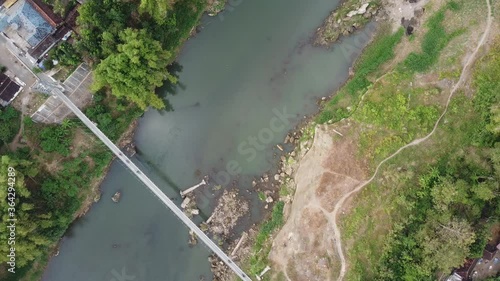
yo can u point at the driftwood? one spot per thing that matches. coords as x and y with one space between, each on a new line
191 189
242 239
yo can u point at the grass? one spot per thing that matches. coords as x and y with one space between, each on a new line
434 41
375 55
262 245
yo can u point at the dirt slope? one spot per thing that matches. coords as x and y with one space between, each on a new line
304 248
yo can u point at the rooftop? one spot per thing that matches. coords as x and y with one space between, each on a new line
23 21
8 89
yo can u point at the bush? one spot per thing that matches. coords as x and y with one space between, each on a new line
66 54
56 138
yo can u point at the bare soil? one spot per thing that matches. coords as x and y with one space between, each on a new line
304 248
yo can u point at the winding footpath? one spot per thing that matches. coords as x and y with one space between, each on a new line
463 77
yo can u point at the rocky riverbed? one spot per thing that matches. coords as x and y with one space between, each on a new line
347 19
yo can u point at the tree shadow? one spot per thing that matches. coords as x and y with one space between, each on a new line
169 88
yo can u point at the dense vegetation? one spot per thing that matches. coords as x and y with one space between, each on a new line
456 200
136 69
65 54
9 124
113 116
434 205
131 43
47 196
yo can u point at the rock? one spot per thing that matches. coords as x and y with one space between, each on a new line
116 197
288 171
292 153
363 8
323 98
352 14
409 30
269 199
254 183
419 12
292 140
195 212
287 138
360 11
282 175
276 177
193 240
279 147
185 202
367 15
283 158
267 206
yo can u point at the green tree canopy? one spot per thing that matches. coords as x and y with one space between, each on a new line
138 67
9 124
157 9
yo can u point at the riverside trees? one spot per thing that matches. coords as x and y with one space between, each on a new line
132 43
136 69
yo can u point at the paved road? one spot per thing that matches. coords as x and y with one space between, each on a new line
13 64
152 186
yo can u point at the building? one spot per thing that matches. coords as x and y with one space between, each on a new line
33 27
466 271
489 252
9 89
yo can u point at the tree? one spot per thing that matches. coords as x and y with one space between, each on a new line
9 124
101 20
157 9
134 72
29 243
444 246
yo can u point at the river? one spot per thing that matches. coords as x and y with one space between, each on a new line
247 79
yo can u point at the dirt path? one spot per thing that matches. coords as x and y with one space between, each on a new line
466 71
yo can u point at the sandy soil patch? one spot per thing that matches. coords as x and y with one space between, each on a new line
304 248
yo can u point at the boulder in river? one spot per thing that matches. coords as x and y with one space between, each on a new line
116 197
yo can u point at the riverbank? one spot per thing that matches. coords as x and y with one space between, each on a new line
388 102
71 159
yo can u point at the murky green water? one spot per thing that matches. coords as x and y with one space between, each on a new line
247 78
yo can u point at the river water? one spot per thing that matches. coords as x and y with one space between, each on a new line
247 79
